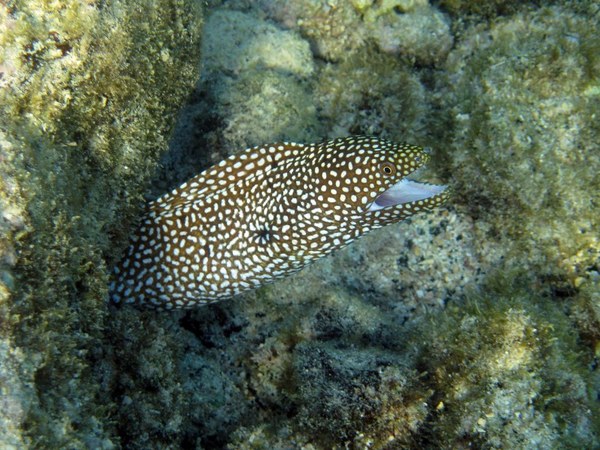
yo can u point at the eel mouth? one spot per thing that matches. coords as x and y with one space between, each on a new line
405 191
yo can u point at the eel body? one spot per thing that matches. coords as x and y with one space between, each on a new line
266 213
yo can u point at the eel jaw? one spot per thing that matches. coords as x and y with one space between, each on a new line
405 191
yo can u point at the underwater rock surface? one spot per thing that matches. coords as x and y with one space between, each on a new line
523 107
88 94
474 326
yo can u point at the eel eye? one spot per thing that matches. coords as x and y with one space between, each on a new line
388 169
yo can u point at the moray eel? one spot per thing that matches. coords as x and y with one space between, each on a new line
265 213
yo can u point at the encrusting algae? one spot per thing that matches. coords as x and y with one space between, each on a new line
266 213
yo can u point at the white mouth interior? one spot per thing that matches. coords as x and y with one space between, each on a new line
405 191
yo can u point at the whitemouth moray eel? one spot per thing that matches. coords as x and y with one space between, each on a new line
264 214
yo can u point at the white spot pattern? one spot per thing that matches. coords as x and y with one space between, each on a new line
259 216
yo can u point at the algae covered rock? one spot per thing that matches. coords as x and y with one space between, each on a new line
88 92
333 27
336 29
367 92
257 74
506 371
236 42
407 339
501 367
365 397
417 32
522 101
486 8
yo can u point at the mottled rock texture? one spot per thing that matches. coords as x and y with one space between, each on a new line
474 326
87 100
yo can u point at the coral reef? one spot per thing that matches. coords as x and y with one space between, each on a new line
473 327
336 29
87 101
506 370
438 332
420 34
367 91
254 89
501 368
522 106
258 74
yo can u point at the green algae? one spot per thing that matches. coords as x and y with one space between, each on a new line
486 8
327 361
522 109
84 117
346 94
256 80
507 369
341 355
336 29
505 366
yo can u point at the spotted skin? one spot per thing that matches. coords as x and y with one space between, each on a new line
262 215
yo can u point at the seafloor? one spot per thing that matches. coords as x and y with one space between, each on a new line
474 326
